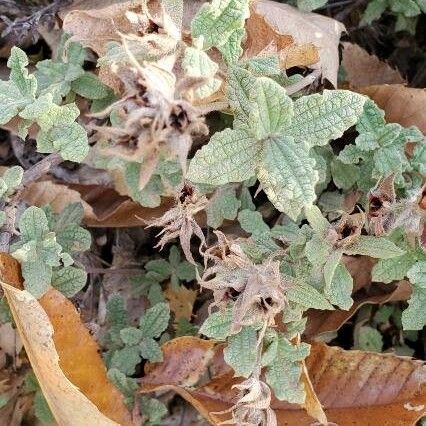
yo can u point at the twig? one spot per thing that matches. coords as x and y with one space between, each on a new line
31 175
113 270
306 81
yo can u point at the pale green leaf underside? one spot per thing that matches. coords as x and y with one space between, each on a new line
377 247
319 118
414 317
287 175
230 156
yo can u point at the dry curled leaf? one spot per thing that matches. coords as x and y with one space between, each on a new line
403 105
356 388
63 355
298 36
103 207
181 300
363 69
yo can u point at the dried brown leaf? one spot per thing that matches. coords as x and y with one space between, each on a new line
356 388
282 27
63 355
181 300
363 69
403 105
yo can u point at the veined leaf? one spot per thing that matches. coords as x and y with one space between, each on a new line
217 325
307 296
414 317
230 156
287 175
283 374
320 118
241 352
378 247
216 22
21 88
155 320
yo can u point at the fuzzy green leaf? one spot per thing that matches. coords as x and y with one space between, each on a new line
151 350
222 205
230 156
155 320
33 224
196 63
396 268
217 325
340 291
126 359
283 374
414 317
21 88
369 339
377 247
217 21
240 353
154 409
310 5
287 175
131 336
307 296
69 280
319 118
74 238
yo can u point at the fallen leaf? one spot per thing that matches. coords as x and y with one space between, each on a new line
283 26
181 300
103 207
403 105
96 26
321 322
356 388
63 355
363 69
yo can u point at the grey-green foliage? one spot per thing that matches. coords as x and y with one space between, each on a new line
153 409
310 5
224 204
220 24
66 74
46 247
368 339
10 180
41 408
406 12
128 344
58 130
379 150
174 268
414 317
325 255
272 139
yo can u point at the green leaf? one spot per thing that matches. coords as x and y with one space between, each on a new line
272 109
310 5
374 11
217 21
316 220
37 277
41 408
58 131
241 352
154 409
414 317
394 269
252 222
150 350
127 386
90 87
131 336
74 238
21 88
69 280
232 50
155 320
71 214
287 175
126 360
196 63
222 205
369 339
240 93
230 156
377 247
283 374
319 118
340 291
307 296
33 224
217 325
344 175
12 177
